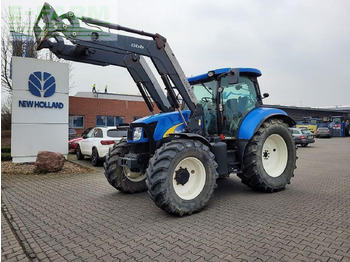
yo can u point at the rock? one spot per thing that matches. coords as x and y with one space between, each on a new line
47 161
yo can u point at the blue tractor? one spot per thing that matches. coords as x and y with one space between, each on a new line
209 126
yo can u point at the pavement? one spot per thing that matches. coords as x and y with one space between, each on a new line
80 217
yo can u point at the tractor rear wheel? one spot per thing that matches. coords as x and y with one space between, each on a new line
122 178
181 176
269 158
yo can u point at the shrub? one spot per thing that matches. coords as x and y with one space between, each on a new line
6 149
6 153
6 157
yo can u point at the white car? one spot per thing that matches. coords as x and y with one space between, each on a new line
98 141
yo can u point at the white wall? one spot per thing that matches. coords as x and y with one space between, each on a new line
39 123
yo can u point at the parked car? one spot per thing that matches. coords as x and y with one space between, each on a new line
72 133
98 141
73 143
323 132
302 137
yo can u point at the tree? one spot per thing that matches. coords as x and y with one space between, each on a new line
17 39
6 115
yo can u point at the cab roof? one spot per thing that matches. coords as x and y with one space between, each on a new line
246 71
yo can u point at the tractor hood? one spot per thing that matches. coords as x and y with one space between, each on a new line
164 124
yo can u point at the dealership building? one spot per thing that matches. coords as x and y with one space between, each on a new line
89 109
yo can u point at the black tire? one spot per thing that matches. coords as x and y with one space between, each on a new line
116 175
304 145
168 175
80 156
95 158
254 172
347 130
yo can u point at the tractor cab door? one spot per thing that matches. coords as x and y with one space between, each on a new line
237 100
206 93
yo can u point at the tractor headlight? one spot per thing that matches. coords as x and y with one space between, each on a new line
137 133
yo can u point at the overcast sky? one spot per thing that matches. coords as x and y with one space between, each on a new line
302 47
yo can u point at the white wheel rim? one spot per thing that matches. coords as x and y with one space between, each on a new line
196 180
134 176
274 155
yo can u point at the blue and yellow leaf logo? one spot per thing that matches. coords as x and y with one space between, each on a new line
42 84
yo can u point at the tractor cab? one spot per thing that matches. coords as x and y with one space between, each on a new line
226 100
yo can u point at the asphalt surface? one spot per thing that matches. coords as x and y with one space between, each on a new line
80 217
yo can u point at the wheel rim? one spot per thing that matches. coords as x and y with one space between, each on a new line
189 178
274 155
133 176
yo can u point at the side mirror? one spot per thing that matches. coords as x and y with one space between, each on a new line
233 76
84 136
265 95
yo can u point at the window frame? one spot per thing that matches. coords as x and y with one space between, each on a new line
71 121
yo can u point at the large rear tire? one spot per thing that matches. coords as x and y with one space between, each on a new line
120 177
181 176
269 158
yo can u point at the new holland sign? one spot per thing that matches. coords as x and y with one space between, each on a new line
39 108
41 84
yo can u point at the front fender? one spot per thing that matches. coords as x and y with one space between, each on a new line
253 120
192 136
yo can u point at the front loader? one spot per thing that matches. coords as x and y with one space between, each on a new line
210 125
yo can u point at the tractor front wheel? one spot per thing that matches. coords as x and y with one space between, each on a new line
269 158
181 176
122 178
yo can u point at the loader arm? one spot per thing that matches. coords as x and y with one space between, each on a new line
137 67
98 47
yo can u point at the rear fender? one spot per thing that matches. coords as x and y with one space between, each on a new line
256 117
252 122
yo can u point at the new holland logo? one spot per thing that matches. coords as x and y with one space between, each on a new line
42 84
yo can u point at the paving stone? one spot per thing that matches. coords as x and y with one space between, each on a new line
80 217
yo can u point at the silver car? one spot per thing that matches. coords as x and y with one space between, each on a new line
323 132
302 137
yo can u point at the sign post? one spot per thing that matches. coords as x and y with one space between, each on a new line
39 108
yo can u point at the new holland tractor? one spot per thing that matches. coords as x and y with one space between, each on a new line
209 126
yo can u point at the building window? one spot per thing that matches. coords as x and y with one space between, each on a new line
76 121
109 120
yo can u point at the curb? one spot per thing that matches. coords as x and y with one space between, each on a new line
28 251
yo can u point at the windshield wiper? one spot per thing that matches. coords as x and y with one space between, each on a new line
206 88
